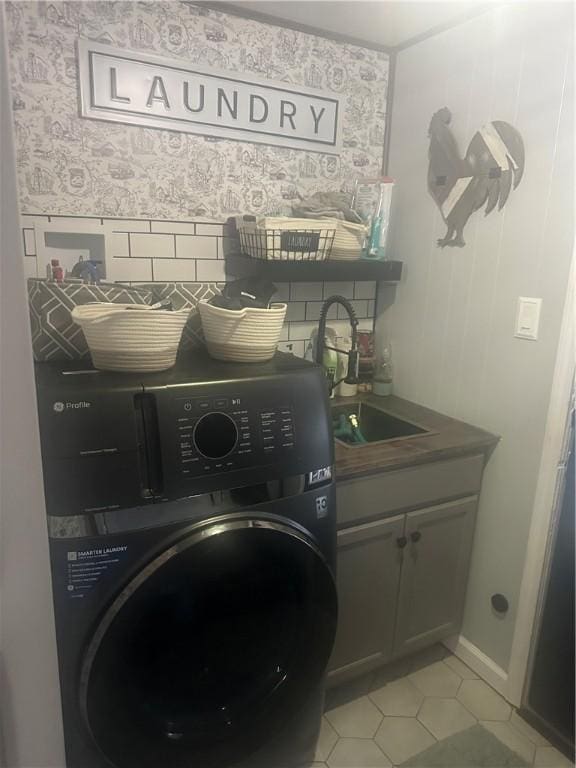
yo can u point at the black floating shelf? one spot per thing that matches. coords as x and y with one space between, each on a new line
239 265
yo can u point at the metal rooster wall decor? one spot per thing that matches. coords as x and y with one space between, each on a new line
493 165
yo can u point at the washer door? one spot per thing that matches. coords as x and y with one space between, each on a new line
211 648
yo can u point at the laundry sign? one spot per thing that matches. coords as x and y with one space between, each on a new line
146 90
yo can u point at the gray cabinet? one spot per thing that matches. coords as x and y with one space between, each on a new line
376 496
368 573
402 576
434 574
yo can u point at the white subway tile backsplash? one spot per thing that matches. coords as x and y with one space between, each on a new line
29 219
129 270
292 347
171 252
339 289
29 242
301 330
306 291
296 311
174 270
313 310
118 245
365 289
210 271
174 227
188 247
210 229
30 266
128 225
152 246
366 324
71 223
299 348
282 292
286 346
360 308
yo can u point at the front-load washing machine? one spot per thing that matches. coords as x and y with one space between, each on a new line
191 517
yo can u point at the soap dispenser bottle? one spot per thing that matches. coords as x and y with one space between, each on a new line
330 363
382 385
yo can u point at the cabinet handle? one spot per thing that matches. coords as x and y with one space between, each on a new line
402 541
415 536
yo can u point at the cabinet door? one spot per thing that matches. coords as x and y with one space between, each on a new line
434 574
369 560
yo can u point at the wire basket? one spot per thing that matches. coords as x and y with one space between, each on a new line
289 240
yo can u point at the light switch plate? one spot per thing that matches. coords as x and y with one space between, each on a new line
528 318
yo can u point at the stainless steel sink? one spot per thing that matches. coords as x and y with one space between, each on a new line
356 424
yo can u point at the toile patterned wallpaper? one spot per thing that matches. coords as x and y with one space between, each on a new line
74 166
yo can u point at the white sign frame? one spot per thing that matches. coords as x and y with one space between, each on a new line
116 94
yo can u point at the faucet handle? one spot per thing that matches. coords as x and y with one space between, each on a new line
353 366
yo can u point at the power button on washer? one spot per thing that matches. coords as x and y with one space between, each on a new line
184 406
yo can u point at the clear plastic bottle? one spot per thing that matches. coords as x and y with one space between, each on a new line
380 221
382 384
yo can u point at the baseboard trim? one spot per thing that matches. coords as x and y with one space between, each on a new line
483 665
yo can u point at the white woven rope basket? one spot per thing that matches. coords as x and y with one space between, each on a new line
131 337
244 335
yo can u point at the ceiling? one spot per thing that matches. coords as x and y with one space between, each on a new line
379 22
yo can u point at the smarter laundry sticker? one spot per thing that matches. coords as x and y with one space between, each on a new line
87 567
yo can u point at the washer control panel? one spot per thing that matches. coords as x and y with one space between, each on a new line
277 429
219 434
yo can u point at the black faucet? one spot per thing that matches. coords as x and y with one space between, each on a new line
353 355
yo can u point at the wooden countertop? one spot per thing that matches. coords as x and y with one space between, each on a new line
448 438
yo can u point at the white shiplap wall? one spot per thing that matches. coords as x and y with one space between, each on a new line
452 322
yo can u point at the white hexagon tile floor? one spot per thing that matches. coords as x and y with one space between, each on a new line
389 716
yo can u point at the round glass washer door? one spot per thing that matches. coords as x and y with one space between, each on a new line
211 648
